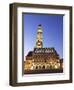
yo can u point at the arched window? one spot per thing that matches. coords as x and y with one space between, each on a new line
48 67
43 67
39 67
36 67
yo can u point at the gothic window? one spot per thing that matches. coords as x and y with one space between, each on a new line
43 67
48 67
36 67
39 67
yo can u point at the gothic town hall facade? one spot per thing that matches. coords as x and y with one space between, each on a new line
42 59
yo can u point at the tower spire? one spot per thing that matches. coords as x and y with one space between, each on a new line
39 40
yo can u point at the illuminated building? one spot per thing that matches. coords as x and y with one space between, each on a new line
42 60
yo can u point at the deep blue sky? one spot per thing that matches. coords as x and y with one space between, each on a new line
52 31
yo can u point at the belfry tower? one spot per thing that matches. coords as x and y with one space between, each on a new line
39 40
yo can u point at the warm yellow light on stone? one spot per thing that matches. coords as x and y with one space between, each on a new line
56 66
42 58
31 68
39 43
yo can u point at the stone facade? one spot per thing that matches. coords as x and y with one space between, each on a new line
42 59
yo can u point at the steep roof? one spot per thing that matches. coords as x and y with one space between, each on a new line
30 53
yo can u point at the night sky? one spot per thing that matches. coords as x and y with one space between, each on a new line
52 26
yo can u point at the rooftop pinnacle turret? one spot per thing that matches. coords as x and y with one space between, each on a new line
39 40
